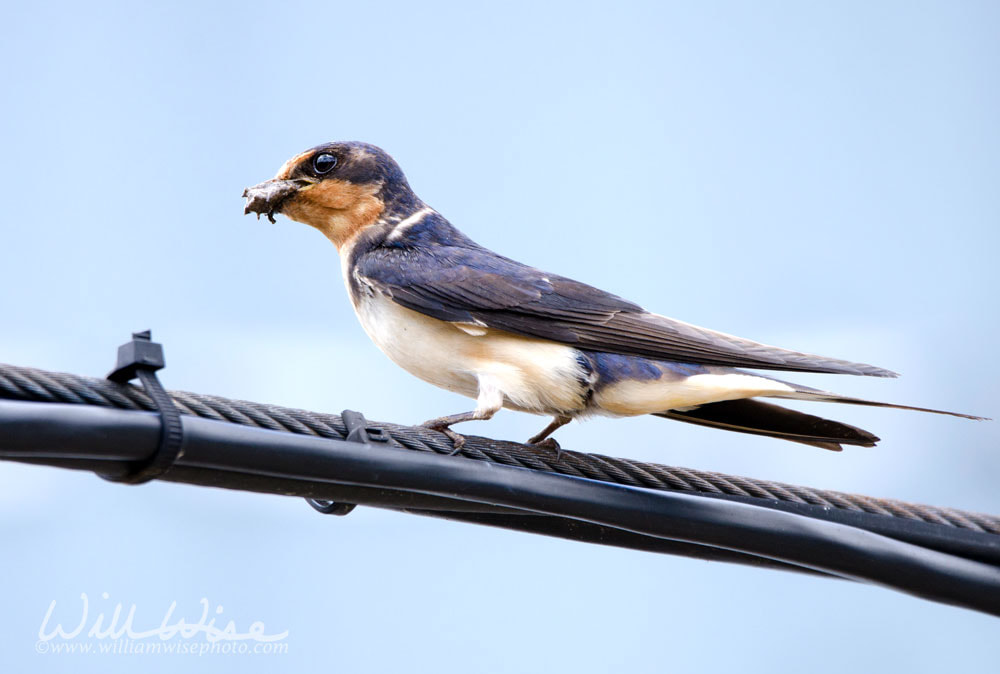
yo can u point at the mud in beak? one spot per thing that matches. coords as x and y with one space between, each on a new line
267 197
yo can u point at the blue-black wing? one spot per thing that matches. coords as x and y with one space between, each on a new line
470 284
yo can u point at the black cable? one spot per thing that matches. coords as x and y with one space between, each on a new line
65 434
948 529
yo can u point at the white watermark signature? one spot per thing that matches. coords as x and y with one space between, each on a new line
115 635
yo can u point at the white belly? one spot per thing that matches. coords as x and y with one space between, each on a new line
534 375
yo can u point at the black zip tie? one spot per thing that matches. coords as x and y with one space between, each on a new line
359 431
141 358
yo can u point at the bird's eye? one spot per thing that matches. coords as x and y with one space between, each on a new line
324 163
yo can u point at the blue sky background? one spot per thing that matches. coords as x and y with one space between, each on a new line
818 176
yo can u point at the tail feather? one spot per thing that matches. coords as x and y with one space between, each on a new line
760 418
806 393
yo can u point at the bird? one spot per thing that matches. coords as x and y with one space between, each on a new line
469 320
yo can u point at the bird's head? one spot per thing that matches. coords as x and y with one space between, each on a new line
338 188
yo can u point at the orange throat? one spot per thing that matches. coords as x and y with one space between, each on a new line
337 208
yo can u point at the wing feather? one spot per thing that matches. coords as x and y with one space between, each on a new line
472 284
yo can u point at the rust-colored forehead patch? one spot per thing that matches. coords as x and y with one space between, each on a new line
285 172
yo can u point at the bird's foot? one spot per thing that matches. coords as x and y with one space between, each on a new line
550 444
457 440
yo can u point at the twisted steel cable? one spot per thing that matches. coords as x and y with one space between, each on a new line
30 384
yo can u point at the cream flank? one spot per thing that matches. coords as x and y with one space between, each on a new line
533 375
634 397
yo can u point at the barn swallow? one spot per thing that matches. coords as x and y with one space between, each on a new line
468 320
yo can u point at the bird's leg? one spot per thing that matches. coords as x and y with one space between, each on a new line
557 423
442 424
488 403
542 439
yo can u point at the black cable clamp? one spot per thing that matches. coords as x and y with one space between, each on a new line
141 358
359 431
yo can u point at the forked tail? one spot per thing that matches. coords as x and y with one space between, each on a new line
756 417
760 418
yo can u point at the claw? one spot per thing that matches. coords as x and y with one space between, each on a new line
457 440
550 444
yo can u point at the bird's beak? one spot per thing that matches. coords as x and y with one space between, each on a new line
268 197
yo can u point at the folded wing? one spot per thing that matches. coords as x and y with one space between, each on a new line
470 284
